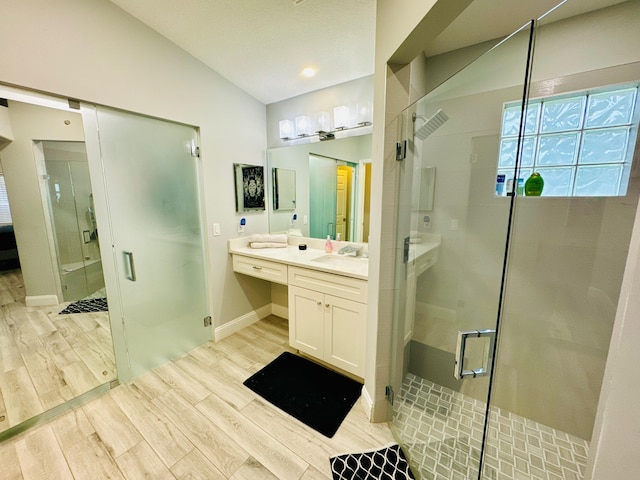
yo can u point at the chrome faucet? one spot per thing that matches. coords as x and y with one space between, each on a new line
350 250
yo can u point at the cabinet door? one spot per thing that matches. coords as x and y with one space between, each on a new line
345 331
306 323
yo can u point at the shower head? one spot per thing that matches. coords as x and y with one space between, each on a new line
430 125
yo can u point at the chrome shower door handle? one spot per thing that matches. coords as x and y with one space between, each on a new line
131 273
459 370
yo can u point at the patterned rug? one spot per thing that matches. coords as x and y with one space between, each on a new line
85 306
386 464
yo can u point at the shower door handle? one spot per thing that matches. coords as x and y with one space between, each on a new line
459 370
131 273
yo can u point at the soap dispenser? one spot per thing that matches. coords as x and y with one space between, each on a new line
328 246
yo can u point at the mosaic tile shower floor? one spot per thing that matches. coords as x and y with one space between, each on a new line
441 431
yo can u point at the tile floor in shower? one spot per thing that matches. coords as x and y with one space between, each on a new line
441 432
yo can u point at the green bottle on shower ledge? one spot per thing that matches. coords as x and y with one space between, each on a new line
534 185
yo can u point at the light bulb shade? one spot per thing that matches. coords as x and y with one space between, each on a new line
303 126
341 117
286 129
364 115
322 122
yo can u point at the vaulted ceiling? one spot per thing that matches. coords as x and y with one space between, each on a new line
263 45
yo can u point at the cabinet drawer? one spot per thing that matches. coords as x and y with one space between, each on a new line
329 283
271 271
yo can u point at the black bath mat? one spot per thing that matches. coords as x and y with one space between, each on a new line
386 464
85 306
318 397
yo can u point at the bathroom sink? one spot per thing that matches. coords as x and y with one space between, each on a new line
342 261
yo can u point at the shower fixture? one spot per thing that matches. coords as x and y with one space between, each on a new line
430 125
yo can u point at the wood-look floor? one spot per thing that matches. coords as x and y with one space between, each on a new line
47 358
190 419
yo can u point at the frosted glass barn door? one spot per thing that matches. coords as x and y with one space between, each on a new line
158 268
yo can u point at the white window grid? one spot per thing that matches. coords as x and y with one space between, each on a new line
561 141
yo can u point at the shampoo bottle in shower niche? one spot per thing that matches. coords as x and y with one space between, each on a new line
534 185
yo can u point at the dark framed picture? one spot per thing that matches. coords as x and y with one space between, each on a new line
250 187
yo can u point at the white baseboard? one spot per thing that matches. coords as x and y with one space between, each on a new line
245 320
280 311
40 300
367 403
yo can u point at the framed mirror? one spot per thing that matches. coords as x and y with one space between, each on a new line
284 189
250 185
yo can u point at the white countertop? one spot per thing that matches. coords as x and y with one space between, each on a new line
357 267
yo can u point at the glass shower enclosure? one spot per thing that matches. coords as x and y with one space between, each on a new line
73 220
505 300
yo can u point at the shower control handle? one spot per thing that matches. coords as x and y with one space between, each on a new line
459 370
131 273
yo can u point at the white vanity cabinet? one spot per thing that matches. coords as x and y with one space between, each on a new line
327 317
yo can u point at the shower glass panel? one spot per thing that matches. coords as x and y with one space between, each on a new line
566 262
152 180
75 230
451 263
322 196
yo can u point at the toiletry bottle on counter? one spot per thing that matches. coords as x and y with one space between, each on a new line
328 246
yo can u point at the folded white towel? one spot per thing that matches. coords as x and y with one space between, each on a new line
268 245
268 238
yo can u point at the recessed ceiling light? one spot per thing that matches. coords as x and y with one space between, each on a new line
308 72
297 2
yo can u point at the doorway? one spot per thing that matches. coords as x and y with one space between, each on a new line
332 198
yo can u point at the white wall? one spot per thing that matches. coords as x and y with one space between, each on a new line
93 51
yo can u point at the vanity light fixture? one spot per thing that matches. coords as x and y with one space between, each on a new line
286 129
323 122
341 117
344 118
303 126
364 114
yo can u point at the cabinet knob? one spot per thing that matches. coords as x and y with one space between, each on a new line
327 305
256 267
318 302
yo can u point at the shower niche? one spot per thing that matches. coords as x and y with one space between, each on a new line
73 219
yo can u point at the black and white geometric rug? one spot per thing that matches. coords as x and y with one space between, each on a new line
85 306
385 464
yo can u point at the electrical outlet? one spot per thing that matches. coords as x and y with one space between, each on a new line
305 219
454 224
240 228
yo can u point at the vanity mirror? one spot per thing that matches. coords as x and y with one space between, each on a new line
332 188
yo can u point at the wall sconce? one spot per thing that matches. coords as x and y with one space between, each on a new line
341 117
323 122
303 126
286 129
364 115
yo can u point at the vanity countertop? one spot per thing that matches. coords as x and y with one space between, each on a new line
355 267
317 259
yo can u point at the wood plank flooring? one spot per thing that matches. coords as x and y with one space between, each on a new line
190 419
47 358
